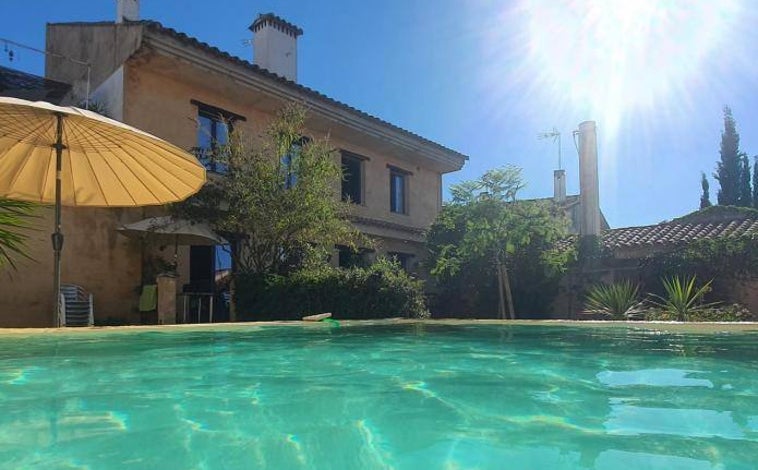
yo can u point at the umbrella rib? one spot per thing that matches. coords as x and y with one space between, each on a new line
24 162
146 187
163 160
94 147
39 126
27 160
89 163
146 149
72 130
128 167
158 149
52 123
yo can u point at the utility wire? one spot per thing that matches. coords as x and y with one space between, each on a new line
54 54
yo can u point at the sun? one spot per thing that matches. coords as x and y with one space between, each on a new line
613 58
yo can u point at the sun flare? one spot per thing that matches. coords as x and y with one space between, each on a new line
612 58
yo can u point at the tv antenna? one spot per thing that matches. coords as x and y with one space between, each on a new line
556 137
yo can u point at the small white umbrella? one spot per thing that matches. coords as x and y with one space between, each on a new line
168 230
73 157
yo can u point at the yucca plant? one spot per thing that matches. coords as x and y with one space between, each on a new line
683 297
14 218
619 300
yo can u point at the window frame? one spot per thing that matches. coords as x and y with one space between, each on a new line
216 116
290 179
360 160
404 176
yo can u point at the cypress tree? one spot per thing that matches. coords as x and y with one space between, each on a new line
755 182
705 198
745 196
728 169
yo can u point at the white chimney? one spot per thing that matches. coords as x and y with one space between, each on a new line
275 45
589 196
127 10
559 181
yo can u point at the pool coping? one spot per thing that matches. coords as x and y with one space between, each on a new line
678 327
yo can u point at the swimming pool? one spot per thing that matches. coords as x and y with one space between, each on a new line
373 396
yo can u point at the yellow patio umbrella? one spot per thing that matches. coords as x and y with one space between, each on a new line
69 156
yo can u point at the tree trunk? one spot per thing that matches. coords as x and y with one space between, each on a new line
501 303
508 295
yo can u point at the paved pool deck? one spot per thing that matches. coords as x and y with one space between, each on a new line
672 327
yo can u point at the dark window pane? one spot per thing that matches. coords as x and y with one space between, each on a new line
397 192
403 259
212 136
205 133
351 183
222 133
290 177
289 162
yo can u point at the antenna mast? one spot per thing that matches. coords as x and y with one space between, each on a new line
556 137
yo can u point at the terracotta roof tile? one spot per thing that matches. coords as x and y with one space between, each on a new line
31 87
679 231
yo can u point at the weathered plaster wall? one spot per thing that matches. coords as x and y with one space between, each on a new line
94 256
104 46
110 95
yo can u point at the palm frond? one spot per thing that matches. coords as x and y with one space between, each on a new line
15 217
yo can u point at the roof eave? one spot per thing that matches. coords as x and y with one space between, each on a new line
246 73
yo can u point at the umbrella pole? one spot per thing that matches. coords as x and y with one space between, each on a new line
176 253
57 236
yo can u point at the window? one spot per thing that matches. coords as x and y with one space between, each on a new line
403 259
289 160
212 135
214 126
347 258
352 178
398 189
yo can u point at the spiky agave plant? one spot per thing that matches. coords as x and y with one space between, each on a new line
619 300
683 297
14 218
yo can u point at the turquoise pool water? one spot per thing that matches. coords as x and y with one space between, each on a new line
408 396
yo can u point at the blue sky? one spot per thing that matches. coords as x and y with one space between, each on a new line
485 77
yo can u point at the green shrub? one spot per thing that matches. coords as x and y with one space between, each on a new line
724 313
683 298
382 290
619 300
724 260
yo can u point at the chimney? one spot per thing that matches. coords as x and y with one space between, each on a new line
275 45
559 181
127 10
588 180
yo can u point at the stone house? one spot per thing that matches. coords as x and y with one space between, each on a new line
183 90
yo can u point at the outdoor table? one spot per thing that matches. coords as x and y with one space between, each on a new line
200 295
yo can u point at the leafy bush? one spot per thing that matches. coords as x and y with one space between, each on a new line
724 260
725 313
382 290
682 297
618 301
468 239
